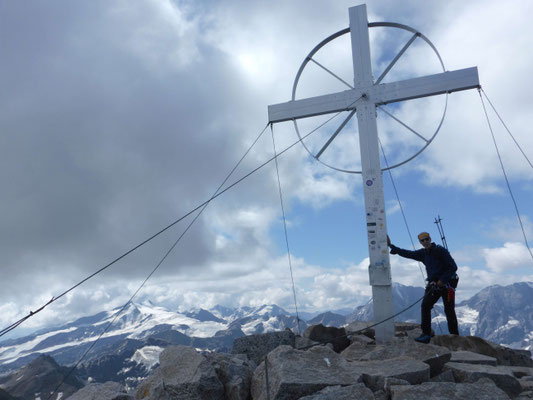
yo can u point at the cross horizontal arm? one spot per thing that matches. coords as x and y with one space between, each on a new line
312 106
446 82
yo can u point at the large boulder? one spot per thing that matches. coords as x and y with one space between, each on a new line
328 334
481 390
98 391
504 355
501 375
292 373
359 391
434 356
256 347
183 374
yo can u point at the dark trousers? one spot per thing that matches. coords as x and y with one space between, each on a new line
431 297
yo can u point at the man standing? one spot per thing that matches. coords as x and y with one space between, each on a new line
441 275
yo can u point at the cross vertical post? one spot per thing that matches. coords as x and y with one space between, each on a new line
376 226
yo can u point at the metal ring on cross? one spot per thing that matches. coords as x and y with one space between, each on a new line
421 141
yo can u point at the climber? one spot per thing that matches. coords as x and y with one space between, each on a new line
442 281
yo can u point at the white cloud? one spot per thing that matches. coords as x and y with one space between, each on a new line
120 118
511 256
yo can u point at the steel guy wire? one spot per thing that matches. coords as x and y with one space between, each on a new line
14 325
505 175
507 129
285 230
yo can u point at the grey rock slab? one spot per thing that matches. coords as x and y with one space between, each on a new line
469 357
525 395
359 391
434 356
501 375
504 355
448 390
256 347
295 373
375 372
98 391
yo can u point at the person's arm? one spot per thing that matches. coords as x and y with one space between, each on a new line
417 255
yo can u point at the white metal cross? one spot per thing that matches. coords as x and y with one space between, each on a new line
364 97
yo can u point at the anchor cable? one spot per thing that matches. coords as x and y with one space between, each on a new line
507 129
505 175
285 230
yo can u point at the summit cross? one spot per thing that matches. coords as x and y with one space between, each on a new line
363 98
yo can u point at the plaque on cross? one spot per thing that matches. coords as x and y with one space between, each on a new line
363 98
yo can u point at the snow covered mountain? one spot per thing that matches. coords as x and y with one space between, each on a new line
501 314
130 348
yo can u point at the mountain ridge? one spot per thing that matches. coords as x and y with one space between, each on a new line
129 351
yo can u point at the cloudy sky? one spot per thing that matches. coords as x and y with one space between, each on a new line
119 117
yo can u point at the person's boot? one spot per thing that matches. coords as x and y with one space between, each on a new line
423 338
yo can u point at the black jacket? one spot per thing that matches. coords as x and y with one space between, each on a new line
438 261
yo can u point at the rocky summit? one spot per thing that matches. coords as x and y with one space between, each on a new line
282 366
